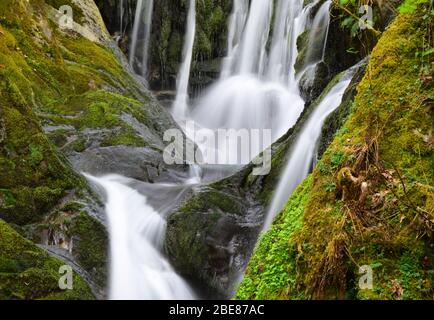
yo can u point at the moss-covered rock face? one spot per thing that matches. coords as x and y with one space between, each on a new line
28 272
370 199
211 235
66 94
273 266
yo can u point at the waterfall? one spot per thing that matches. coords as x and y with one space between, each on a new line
236 24
303 151
148 26
138 268
141 32
135 32
121 18
253 45
257 87
180 105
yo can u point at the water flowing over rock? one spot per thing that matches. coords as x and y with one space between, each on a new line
141 31
303 151
84 173
180 106
138 268
258 88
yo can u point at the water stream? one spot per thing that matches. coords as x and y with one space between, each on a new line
139 270
303 151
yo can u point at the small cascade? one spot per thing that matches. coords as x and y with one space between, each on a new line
236 25
258 89
303 151
121 17
317 43
180 106
254 41
141 33
135 32
149 9
138 268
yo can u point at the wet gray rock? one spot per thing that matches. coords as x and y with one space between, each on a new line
143 164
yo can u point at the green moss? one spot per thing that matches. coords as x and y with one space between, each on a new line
33 171
90 245
27 272
270 274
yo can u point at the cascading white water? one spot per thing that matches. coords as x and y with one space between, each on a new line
121 18
124 14
135 32
149 9
257 89
303 151
180 105
138 269
236 24
142 19
254 41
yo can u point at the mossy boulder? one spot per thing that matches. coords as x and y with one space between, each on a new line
210 236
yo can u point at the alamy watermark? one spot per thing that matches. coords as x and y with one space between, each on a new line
66 20
366 280
367 19
219 147
66 280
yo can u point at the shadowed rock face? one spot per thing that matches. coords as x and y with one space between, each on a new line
211 234
167 39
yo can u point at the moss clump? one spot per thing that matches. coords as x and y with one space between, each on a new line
201 212
90 245
27 272
271 272
380 211
33 173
